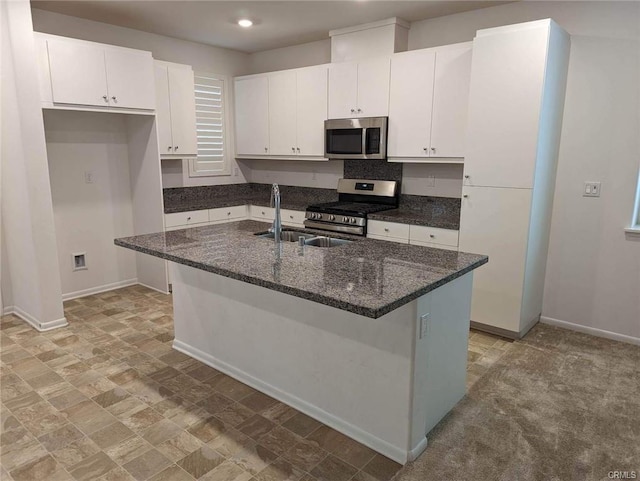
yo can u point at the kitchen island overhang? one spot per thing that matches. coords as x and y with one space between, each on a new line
369 338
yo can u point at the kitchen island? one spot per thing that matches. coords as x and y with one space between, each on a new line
369 337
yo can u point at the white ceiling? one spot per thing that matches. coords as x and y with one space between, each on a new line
276 24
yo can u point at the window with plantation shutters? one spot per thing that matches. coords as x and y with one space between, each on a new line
211 111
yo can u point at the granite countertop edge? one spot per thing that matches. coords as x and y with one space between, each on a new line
303 294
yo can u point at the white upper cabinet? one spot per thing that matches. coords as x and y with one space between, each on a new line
311 110
130 79
78 74
176 109
343 90
450 101
359 89
252 115
428 102
286 108
508 72
411 104
93 74
282 113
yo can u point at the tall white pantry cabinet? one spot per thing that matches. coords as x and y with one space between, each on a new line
516 101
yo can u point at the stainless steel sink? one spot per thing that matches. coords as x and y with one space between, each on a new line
287 235
322 241
309 239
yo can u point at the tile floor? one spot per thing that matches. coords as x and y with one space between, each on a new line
108 399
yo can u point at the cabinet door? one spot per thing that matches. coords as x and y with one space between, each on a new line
410 104
130 79
77 73
183 110
343 90
252 116
507 72
311 110
450 102
495 222
282 113
373 87
163 110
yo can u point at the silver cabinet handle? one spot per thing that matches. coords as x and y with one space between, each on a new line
228 213
425 149
266 149
432 236
169 148
293 149
353 111
290 217
115 99
386 229
359 111
262 212
298 149
106 99
175 148
433 149
189 218
466 176
465 196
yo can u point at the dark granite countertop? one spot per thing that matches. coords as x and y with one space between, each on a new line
440 212
367 277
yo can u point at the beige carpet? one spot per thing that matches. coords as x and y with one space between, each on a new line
559 405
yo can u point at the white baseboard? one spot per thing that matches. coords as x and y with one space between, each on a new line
97 290
311 410
153 288
417 450
590 330
33 322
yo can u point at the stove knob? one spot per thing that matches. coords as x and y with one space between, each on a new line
319 216
345 220
313 215
353 220
332 217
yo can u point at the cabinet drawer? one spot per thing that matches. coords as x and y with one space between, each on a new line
228 213
292 217
436 246
262 213
433 235
388 229
186 218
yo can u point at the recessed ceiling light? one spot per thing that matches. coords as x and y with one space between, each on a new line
245 22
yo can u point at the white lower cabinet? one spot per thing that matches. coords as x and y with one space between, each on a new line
294 218
257 212
186 219
227 214
391 231
433 237
495 222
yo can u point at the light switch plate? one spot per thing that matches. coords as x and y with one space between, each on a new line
591 189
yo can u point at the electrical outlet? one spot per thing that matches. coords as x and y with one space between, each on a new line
89 177
591 189
425 321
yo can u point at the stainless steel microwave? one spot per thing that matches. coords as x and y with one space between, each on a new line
363 138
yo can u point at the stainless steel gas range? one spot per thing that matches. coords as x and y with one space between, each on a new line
356 199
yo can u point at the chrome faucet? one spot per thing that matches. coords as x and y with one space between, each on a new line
277 220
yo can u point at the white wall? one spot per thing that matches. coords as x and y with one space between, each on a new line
88 216
201 57
29 246
304 55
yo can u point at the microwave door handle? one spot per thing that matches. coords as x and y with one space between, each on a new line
364 142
